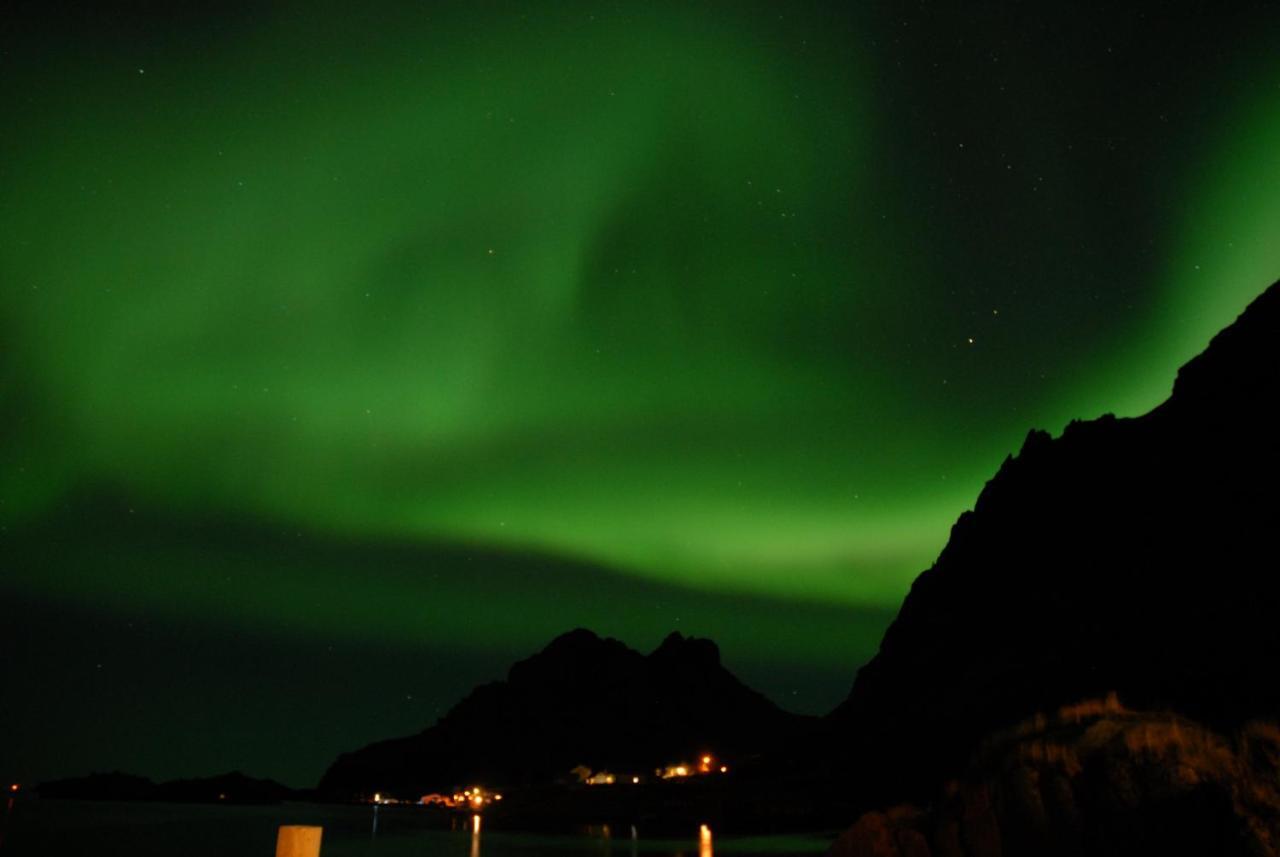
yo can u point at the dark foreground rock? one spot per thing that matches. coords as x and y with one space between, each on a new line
1095 779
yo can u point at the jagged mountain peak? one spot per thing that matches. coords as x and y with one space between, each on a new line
582 699
695 650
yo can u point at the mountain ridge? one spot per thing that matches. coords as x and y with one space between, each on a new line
233 787
1069 578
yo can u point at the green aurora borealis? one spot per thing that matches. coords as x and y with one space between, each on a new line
377 350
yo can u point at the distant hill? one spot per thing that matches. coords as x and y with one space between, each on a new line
1135 556
233 787
582 700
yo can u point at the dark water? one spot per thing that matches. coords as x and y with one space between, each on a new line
93 829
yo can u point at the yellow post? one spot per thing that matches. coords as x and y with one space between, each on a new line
296 840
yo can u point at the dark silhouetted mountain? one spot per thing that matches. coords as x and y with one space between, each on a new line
233 787
1135 556
582 700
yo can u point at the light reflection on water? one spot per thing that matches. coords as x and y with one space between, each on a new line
66 828
602 838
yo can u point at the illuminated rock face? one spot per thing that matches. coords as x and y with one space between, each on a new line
1095 779
581 701
1132 555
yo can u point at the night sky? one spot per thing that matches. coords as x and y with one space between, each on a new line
346 357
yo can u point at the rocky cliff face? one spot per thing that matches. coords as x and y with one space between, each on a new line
582 700
1135 556
1095 779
